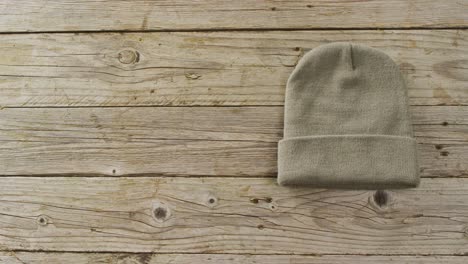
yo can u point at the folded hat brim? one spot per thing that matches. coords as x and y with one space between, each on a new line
348 161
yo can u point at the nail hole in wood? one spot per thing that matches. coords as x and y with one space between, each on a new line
309 6
445 123
297 48
438 146
381 198
273 9
42 220
254 200
444 153
260 227
257 200
211 200
114 171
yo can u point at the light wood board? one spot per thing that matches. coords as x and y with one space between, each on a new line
188 141
57 15
211 69
230 215
181 102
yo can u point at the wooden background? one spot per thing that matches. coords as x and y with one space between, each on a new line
143 132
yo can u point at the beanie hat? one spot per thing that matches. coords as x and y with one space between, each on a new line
346 122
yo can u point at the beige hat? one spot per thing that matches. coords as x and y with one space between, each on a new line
346 122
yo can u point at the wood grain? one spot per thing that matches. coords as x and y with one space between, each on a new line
148 258
57 15
229 215
211 69
188 141
77 101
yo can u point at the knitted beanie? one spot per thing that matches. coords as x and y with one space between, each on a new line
346 122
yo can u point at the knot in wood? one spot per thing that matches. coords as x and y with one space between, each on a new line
129 56
381 198
160 213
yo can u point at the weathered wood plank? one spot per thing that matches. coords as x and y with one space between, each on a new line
55 15
147 258
229 215
196 68
188 141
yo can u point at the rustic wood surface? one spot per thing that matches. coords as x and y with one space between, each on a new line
142 132
212 69
230 215
58 15
147 258
189 141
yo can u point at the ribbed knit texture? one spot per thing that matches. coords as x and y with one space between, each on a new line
346 122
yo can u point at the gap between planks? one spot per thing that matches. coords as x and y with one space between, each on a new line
18 257
232 30
58 16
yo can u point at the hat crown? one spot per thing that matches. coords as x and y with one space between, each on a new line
344 88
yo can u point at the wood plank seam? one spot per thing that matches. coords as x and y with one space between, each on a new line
29 16
232 30
147 258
